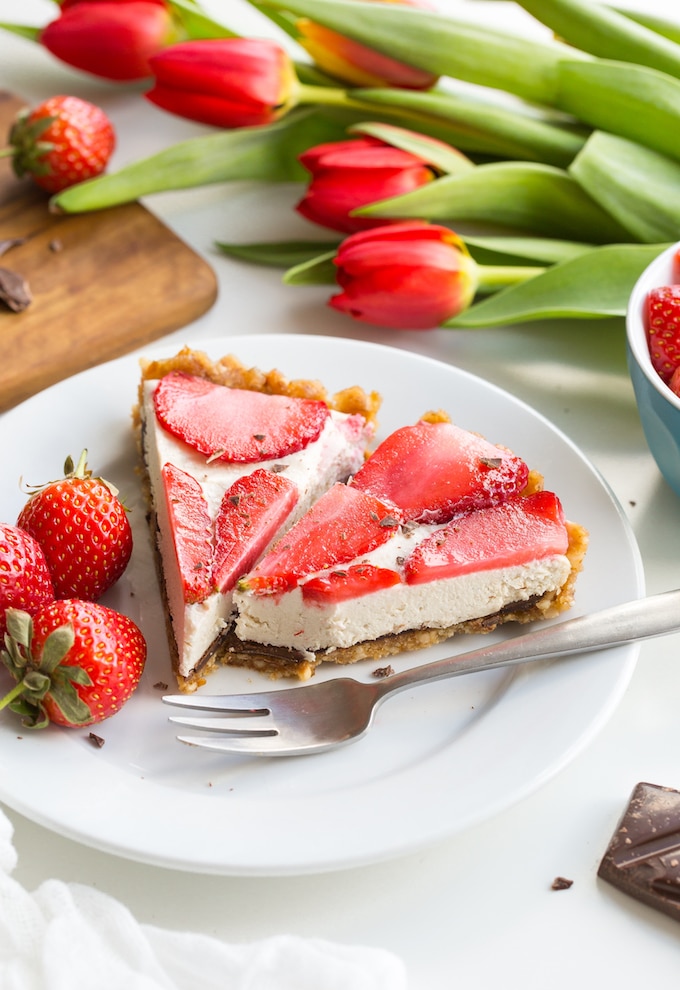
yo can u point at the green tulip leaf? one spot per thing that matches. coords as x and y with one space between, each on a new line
447 160
268 153
440 44
519 250
595 284
23 30
316 271
640 187
196 22
525 196
482 127
633 101
602 31
668 29
282 254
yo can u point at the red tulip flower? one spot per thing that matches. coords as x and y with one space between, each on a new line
226 82
112 39
349 174
358 64
408 276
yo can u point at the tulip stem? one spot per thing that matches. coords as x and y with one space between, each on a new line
492 278
324 96
333 97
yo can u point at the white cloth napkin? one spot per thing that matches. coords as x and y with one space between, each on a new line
69 936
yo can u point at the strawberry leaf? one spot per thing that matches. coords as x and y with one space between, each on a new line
33 716
19 627
36 685
56 647
76 675
67 700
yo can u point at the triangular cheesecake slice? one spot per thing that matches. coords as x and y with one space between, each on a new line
439 532
232 458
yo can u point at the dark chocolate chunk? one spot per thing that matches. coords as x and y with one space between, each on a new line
14 290
643 857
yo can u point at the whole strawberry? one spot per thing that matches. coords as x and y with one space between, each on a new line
663 329
61 142
25 581
83 529
75 663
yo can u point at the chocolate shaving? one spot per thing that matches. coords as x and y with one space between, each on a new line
561 883
14 290
383 671
96 740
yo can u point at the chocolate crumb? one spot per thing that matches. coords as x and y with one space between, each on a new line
561 883
388 521
383 671
96 740
14 291
10 242
161 686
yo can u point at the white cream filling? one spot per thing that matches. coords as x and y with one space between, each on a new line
288 620
335 455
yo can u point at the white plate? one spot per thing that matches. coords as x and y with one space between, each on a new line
440 758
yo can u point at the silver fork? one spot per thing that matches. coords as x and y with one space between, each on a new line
322 716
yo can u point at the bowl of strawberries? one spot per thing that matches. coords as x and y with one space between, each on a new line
653 346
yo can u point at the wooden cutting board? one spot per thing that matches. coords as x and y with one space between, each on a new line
102 284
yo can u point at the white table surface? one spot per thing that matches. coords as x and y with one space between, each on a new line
478 910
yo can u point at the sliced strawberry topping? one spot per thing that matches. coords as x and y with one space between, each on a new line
515 532
431 471
345 523
663 329
236 425
252 511
342 585
192 532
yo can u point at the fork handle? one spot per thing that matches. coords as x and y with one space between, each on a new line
642 618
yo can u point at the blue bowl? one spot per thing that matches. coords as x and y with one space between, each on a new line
659 408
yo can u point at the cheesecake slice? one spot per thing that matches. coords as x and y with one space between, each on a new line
232 458
439 532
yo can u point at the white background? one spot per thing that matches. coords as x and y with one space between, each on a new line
476 911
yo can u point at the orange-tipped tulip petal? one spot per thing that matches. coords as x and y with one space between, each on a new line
359 64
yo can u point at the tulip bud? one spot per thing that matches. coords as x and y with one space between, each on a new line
349 174
358 64
408 276
225 82
112 39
